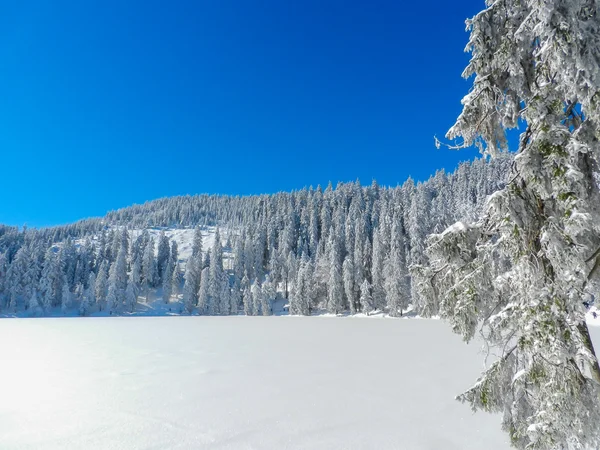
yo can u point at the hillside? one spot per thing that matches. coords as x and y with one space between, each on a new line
342 250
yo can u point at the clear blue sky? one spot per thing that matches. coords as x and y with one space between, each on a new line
109 103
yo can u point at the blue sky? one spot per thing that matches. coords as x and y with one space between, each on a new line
109 103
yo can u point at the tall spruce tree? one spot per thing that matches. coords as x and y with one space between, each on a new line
518 274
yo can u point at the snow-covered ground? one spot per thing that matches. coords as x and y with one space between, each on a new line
238 383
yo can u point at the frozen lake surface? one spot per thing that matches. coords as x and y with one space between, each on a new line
238 383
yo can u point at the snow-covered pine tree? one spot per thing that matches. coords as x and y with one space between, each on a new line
518 275
377 271
203 293
301 296
335 291
395 272
162 257
247 296
349 272
366 299
33 305
257 293
102 285
197 242
235 297
176 280
167 285
149 270
217 304
192 281
112 301
131 296
51 281
88 300
268 297
65 302
136 269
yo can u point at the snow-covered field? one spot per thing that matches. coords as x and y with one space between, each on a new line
238 383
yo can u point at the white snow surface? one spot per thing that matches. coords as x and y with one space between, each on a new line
239 383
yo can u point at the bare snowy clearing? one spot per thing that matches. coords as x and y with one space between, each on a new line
238 382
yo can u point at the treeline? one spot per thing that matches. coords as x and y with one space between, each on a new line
342 249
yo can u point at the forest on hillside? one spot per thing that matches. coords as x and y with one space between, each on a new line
342 249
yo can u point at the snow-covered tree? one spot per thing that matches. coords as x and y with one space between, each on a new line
377 271
131 296
518 275
136 270
102 284
117 281
162 257
349 272
149 269
167 285
197 242
302 292
395 272
256 291
335 292
65 301
112 298
366 299
89 296
235 296
268 297
218 302
203 293
51 280
33 305
176 280
247 296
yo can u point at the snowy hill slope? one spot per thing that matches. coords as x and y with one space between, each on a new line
346 249
184 237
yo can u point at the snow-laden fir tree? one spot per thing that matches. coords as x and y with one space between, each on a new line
167 284
218 302
101 284
203 294
33 305
136 269
395 272
88 300
366 299
377 271
235 297
51 280
162 257
256 291
112 298
225 296
268 297
149 270
302 292
197 242
65 302
247 296
518 275
335 292
192 281
131 296
176 280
